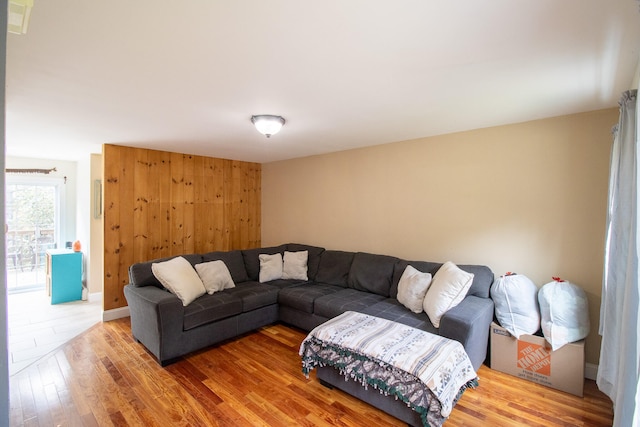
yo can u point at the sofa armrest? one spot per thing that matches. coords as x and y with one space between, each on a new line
469 323
157 317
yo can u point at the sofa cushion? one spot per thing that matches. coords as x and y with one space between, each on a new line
313 260
215 276
255 295
234 262
482 280
302 297
412 288
286 283
482 276
448 288
179 277
372 273
294 265
210 308
334 267
337 303
140 273
270 267
391 309
252 261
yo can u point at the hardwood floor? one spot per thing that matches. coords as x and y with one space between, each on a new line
104 378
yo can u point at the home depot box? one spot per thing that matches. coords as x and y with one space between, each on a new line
531 358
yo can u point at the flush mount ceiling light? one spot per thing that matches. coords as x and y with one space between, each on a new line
268 125
18 17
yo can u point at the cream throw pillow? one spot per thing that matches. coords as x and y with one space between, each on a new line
270 267
448 287
215 276
295 265
179 277
412 288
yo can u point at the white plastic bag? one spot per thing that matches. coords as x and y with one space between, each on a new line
565 312
516 300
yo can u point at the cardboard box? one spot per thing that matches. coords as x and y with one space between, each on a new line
531 358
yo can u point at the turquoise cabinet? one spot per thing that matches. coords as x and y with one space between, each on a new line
64 275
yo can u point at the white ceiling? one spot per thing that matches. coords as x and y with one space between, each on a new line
187 75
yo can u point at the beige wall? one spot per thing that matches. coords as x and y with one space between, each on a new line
528 197
96 270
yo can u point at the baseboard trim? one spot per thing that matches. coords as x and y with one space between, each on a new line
591 371
95 296
116 313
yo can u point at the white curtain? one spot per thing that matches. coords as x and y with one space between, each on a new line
619 366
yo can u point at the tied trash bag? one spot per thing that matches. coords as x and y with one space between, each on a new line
565 312
516 300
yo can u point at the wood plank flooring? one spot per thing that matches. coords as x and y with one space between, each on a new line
104 378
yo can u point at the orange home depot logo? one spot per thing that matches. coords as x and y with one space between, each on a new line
534 358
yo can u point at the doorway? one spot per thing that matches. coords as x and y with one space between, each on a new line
34 218
32 209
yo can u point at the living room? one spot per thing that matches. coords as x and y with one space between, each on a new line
526 192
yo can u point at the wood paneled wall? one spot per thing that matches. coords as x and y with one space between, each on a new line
158 204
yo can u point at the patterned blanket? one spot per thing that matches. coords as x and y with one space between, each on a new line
427 372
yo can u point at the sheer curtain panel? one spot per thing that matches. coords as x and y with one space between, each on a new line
619 366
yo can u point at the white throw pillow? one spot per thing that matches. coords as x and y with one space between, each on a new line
215 276
448 288
412 288
270 267
179 277
295 265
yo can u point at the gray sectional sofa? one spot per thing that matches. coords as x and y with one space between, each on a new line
337 281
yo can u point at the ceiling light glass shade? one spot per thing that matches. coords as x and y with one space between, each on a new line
18 17
268 125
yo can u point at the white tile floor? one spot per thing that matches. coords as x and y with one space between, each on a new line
37 327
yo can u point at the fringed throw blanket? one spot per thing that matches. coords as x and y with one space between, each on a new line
427 372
